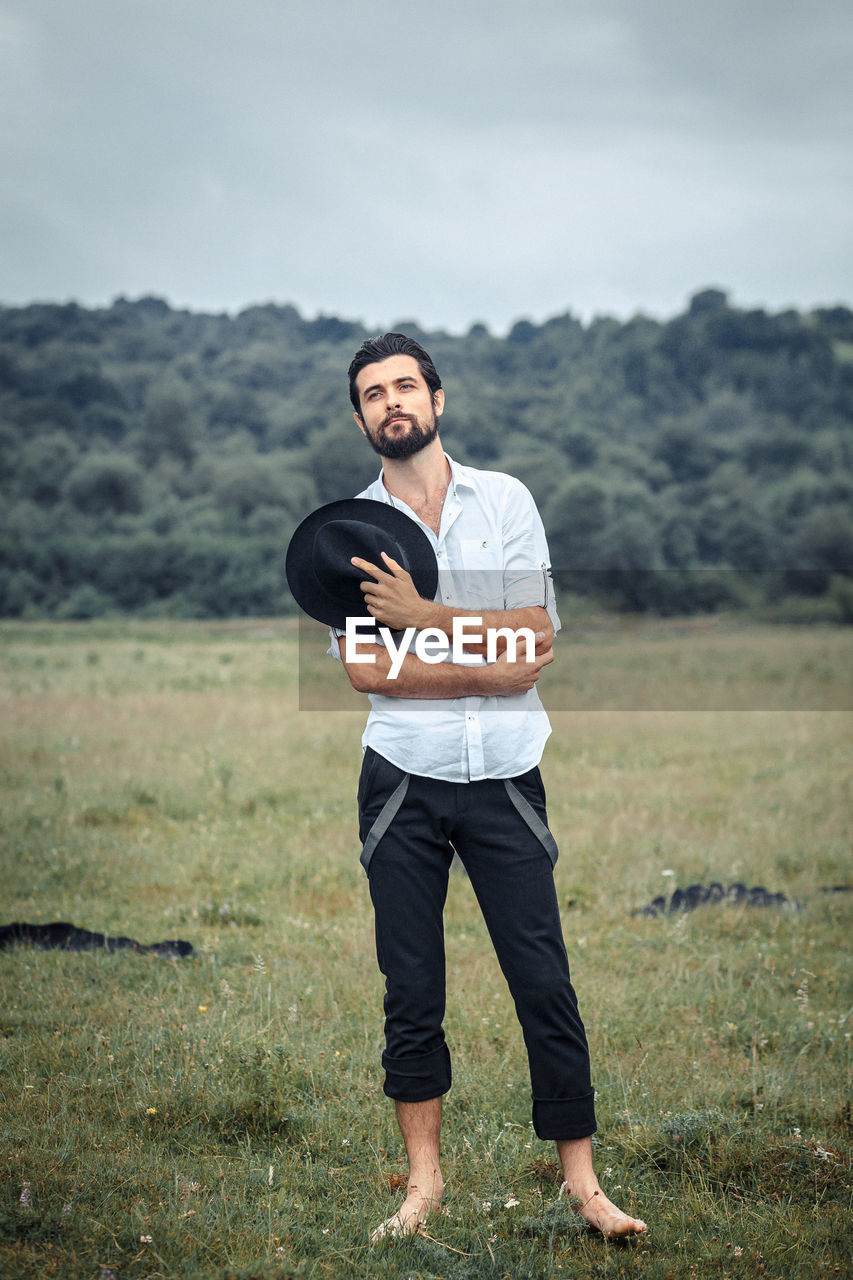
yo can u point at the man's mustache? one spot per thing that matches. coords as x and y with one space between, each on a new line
397 417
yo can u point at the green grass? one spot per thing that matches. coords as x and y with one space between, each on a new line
162 782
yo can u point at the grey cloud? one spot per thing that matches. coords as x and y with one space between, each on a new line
457 161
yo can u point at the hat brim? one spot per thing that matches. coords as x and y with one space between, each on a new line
327 597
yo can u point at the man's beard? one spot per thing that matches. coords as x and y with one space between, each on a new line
419 435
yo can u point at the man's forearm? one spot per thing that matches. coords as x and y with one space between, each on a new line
415 679
418 679
440 616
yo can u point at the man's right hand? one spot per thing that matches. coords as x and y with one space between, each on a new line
512 678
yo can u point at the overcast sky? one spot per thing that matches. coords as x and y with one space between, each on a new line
448 161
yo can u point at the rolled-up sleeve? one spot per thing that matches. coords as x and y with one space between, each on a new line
334 649
527 563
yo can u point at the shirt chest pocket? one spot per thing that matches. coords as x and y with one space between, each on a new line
481 580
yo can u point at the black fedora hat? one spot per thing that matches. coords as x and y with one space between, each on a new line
321 577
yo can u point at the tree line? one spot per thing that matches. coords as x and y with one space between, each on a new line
156 461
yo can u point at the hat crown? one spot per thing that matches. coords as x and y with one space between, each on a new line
337 542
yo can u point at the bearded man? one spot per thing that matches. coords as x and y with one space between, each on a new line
451 755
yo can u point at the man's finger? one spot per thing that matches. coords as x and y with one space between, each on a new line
372 569
392 564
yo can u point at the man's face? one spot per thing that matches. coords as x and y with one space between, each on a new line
398 414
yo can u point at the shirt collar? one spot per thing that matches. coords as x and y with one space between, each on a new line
458 476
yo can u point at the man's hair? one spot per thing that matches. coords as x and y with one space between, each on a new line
373 350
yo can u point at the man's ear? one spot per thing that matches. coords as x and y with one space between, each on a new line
438 402
360 423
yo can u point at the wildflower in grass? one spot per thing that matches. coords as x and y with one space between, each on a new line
487 1206
151 1111
802 996
202 1008
24 1197
492 1239
608 1172
146 1239
511 1203
737 1252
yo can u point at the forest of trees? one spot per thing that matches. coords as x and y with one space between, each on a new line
156 461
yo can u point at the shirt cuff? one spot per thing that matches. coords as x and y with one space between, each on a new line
532 588
334 649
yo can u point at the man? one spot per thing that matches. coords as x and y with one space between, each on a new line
451 756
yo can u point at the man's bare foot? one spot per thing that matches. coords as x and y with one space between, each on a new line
603 1215
412 1214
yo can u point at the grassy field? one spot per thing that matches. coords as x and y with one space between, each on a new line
222 1116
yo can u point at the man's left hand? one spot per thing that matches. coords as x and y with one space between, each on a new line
392 598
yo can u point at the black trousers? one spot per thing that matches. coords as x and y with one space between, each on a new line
409 827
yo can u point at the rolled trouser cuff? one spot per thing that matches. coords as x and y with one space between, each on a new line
564 1118
417 1078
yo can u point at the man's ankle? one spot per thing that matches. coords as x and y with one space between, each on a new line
427 1183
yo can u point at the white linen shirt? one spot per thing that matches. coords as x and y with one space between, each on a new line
492 554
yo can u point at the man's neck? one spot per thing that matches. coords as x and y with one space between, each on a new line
418 479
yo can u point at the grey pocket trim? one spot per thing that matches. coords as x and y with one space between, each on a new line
534 822
386 816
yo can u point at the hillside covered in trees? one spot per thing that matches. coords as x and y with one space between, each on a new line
156 461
